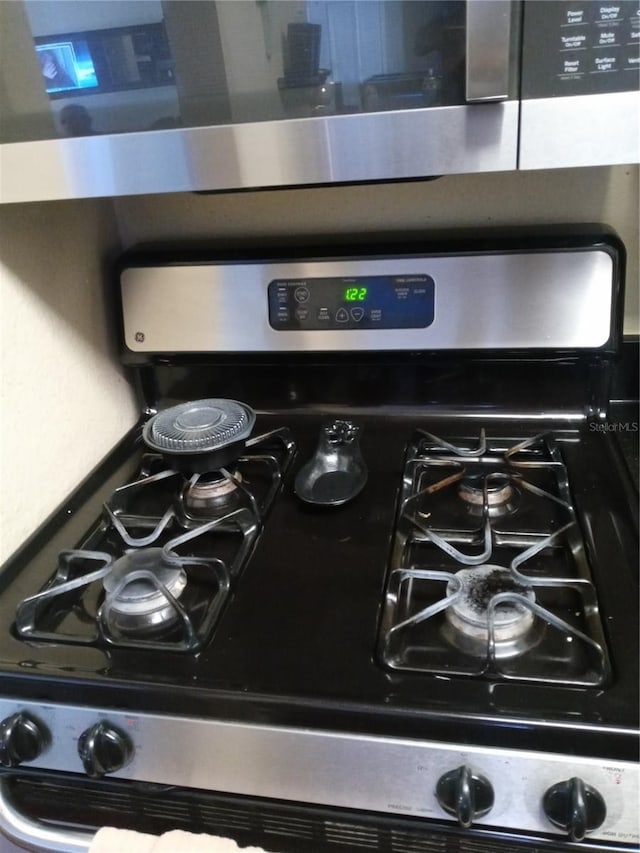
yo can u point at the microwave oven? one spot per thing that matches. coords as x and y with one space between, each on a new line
146 97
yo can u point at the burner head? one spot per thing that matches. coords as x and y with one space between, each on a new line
200 436
212 495
134 604
468 616
500 492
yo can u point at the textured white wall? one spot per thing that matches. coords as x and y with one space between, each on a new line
64 401
606 195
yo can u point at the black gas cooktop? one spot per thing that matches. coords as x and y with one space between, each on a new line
299 633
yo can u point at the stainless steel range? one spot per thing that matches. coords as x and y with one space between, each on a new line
363 577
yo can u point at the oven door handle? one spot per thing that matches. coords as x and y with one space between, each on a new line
35 835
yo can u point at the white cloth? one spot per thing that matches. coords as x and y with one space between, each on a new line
110 840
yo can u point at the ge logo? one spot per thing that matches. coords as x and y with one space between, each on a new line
139 337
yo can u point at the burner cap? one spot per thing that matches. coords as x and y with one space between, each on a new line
200 426
212 494
499 489
140 605
468 614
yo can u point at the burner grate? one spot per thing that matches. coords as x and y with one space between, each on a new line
153 574
87 607
541 622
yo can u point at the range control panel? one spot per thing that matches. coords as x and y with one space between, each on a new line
354 302
512 789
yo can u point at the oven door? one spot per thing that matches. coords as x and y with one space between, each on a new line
215 96
37 835
269 824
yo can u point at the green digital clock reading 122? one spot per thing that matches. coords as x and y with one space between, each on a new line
355 294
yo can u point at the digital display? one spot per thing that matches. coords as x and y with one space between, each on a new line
352 302
356 294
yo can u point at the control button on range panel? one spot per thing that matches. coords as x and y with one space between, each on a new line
403 301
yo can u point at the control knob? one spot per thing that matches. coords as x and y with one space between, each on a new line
22 738
104 749
464 795
575 807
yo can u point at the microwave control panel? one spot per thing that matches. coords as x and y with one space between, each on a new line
580 48
353 302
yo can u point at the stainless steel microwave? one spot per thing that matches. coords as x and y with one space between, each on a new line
143 96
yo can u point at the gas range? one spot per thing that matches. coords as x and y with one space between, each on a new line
360 598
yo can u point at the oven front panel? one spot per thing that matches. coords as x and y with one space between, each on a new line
333 769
